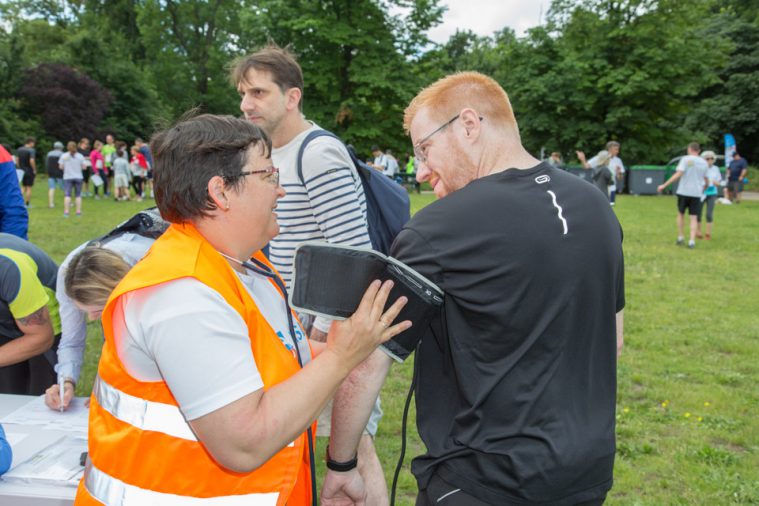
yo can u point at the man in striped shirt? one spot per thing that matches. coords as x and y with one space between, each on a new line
328 205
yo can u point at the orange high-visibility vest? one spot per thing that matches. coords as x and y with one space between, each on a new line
141 449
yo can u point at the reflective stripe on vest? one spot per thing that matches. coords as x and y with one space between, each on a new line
114 492
140 413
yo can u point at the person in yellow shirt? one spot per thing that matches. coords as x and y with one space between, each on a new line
30 326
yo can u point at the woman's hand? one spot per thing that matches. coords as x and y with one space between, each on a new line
53 396
357 337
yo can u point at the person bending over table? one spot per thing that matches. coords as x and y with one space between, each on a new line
86 278
207 388
29 323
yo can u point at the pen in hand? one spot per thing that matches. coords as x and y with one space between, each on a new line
61 385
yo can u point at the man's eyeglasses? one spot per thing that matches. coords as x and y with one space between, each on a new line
274 179
419 151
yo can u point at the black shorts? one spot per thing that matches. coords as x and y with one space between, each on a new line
690 203
441 493
735 186
28 179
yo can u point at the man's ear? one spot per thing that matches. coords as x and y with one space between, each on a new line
216 191
293 97
471 121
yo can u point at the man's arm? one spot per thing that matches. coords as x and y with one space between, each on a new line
583 161
677 175
353 400
620 331
351 408
37 339
14 218
27 300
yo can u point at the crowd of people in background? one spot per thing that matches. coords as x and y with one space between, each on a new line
98 169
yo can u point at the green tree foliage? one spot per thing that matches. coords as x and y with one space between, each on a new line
188 45
15 124
69 34
653 74
732 103
358 78
69 103
627 70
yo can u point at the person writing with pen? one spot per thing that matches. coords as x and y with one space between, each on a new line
207 388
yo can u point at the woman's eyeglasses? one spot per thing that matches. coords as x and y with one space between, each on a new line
274 179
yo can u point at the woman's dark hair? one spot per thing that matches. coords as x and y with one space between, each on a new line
193 151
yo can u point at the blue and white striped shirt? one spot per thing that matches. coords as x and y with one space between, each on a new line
331 206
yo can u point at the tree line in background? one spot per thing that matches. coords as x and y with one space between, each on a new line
653 74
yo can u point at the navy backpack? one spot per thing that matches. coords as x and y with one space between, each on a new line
388 207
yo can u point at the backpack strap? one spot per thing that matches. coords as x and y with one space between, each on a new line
311 136
147 223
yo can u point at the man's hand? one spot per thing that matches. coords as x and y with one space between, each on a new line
343 489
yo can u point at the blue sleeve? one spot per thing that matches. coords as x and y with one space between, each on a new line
6 454
14 218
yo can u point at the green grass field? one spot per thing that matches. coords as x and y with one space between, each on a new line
688 399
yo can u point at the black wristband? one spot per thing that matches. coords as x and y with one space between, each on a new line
341 467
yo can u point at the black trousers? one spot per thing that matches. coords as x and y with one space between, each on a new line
441 493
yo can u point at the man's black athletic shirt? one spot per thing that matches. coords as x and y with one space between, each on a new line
517 380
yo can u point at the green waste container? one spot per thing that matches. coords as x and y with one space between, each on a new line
644 179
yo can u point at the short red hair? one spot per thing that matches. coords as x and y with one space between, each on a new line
455 92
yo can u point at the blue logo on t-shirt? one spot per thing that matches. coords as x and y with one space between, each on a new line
286 342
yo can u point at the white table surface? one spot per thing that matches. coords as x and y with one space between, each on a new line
27 494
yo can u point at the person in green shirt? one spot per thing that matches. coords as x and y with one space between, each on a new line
410 175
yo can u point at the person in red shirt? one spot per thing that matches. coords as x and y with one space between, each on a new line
139 167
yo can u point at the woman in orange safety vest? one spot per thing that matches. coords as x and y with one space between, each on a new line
207 389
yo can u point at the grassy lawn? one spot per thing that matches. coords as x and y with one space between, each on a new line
688 399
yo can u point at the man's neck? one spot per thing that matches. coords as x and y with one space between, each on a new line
290 128
505 155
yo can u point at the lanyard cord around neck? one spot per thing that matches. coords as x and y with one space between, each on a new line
264 270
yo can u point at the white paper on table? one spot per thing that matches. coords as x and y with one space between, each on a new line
15 438
56 464
35 412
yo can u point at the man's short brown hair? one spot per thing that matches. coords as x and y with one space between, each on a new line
695 146
277 61
193 151
455 92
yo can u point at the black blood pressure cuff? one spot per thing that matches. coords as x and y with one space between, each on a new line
330 281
